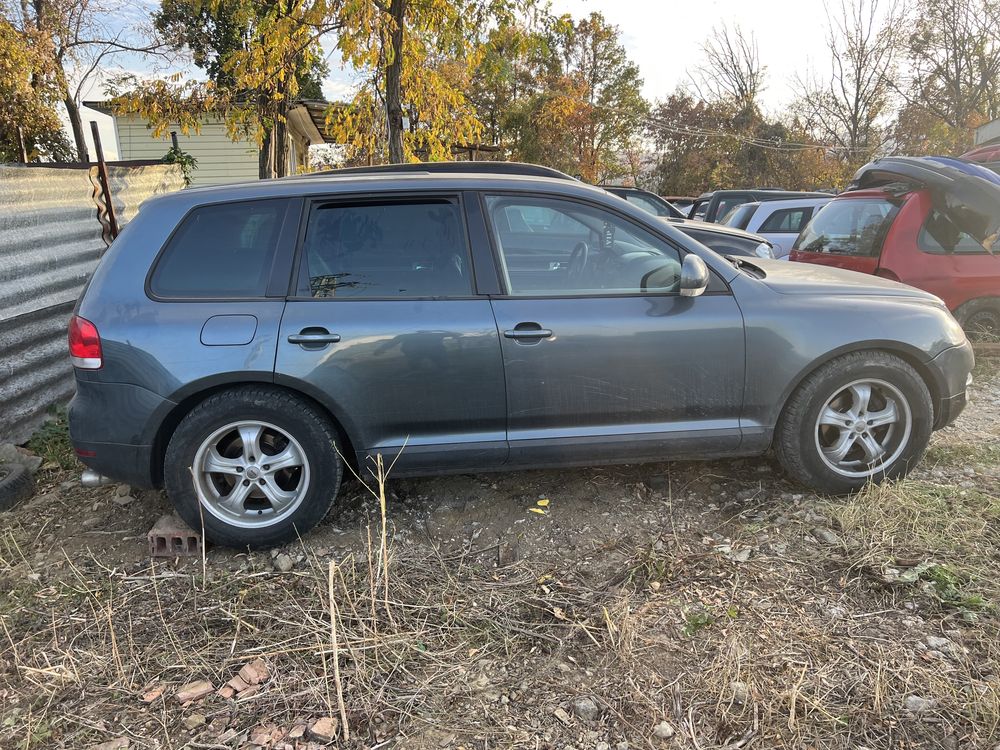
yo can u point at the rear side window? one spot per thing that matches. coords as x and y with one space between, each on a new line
848 227
786 220
740 216
220 252
940 235
406 248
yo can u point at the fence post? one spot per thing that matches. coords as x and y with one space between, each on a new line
20 145
102 173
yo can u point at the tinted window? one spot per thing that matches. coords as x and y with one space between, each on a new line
387 249
739 216
564 247
939 235
790 220
221 251
728 203
848 227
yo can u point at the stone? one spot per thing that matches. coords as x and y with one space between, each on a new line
119 743
826 536
663 731
623 745
193 721
152 695
323 730
195 690
602 746
283 563
937 643
560 714
917 704
586 708
122 490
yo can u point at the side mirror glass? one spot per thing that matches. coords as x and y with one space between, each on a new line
694 276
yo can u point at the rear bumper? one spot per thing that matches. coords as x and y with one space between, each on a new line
952 369
113 427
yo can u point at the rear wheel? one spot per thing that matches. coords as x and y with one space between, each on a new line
981 319
257 465
861 418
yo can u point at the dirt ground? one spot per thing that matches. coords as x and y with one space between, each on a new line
679 605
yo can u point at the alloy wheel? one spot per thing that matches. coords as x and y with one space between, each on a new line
863 428
251 473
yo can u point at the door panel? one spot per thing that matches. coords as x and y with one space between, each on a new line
622 378
426 373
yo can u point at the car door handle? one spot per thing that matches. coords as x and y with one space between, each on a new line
528 333
314 338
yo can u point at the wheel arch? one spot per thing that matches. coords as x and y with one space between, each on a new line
909 354
192 396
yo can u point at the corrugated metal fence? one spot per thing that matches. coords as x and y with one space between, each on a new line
51 238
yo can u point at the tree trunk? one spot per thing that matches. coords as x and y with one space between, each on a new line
77 125
279 139
264 158
393 76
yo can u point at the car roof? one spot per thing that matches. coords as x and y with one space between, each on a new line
772 206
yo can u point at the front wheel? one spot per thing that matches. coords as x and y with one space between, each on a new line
861 418
257 466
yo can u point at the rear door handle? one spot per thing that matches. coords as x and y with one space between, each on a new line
528 333
312 338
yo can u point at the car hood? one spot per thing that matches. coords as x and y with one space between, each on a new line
806 278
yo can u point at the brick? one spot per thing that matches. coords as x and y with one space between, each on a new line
238 684
324 730
195 690
171 537
255 672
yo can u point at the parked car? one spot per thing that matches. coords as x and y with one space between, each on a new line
644 199
238 344
724 240
682 203
923 223
779 222
715 205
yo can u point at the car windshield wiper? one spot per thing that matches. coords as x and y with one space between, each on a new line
746 266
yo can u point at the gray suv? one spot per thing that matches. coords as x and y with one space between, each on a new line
238 344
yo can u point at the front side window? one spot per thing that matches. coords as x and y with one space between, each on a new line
404 248
578 249
940 235
786 221
221 251
854 226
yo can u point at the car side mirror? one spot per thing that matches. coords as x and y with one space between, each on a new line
694 276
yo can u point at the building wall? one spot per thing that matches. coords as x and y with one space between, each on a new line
220 160
988 133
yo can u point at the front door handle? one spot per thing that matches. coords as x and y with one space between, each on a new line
313 338
528 333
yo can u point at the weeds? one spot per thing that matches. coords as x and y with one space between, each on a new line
51 441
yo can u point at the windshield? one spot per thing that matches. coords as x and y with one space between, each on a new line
848 227
651 204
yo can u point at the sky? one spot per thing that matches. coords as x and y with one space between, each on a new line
664 37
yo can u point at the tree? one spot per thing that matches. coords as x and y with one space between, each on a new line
79 38
954 62
848 109
260 56
29 91
732 70
419 57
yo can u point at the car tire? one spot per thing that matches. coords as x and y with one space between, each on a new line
216 482
980 318
828 412
16 484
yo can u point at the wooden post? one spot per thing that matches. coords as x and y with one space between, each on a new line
173 140
20 145
102 173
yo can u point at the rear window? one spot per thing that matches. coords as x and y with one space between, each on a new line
739 216
786 220
848 227
220 252
940 235
405 248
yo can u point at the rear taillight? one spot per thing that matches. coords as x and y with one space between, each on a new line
84 344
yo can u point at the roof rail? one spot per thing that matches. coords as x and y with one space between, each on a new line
451 167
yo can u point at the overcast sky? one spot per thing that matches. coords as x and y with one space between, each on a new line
664 38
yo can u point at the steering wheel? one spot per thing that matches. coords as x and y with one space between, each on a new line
578 260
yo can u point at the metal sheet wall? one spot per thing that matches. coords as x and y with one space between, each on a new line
50 243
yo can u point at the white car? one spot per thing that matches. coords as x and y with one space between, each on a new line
779 222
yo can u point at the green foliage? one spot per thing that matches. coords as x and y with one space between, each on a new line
187 162
51 441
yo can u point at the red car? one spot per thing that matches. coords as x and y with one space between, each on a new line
922 222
